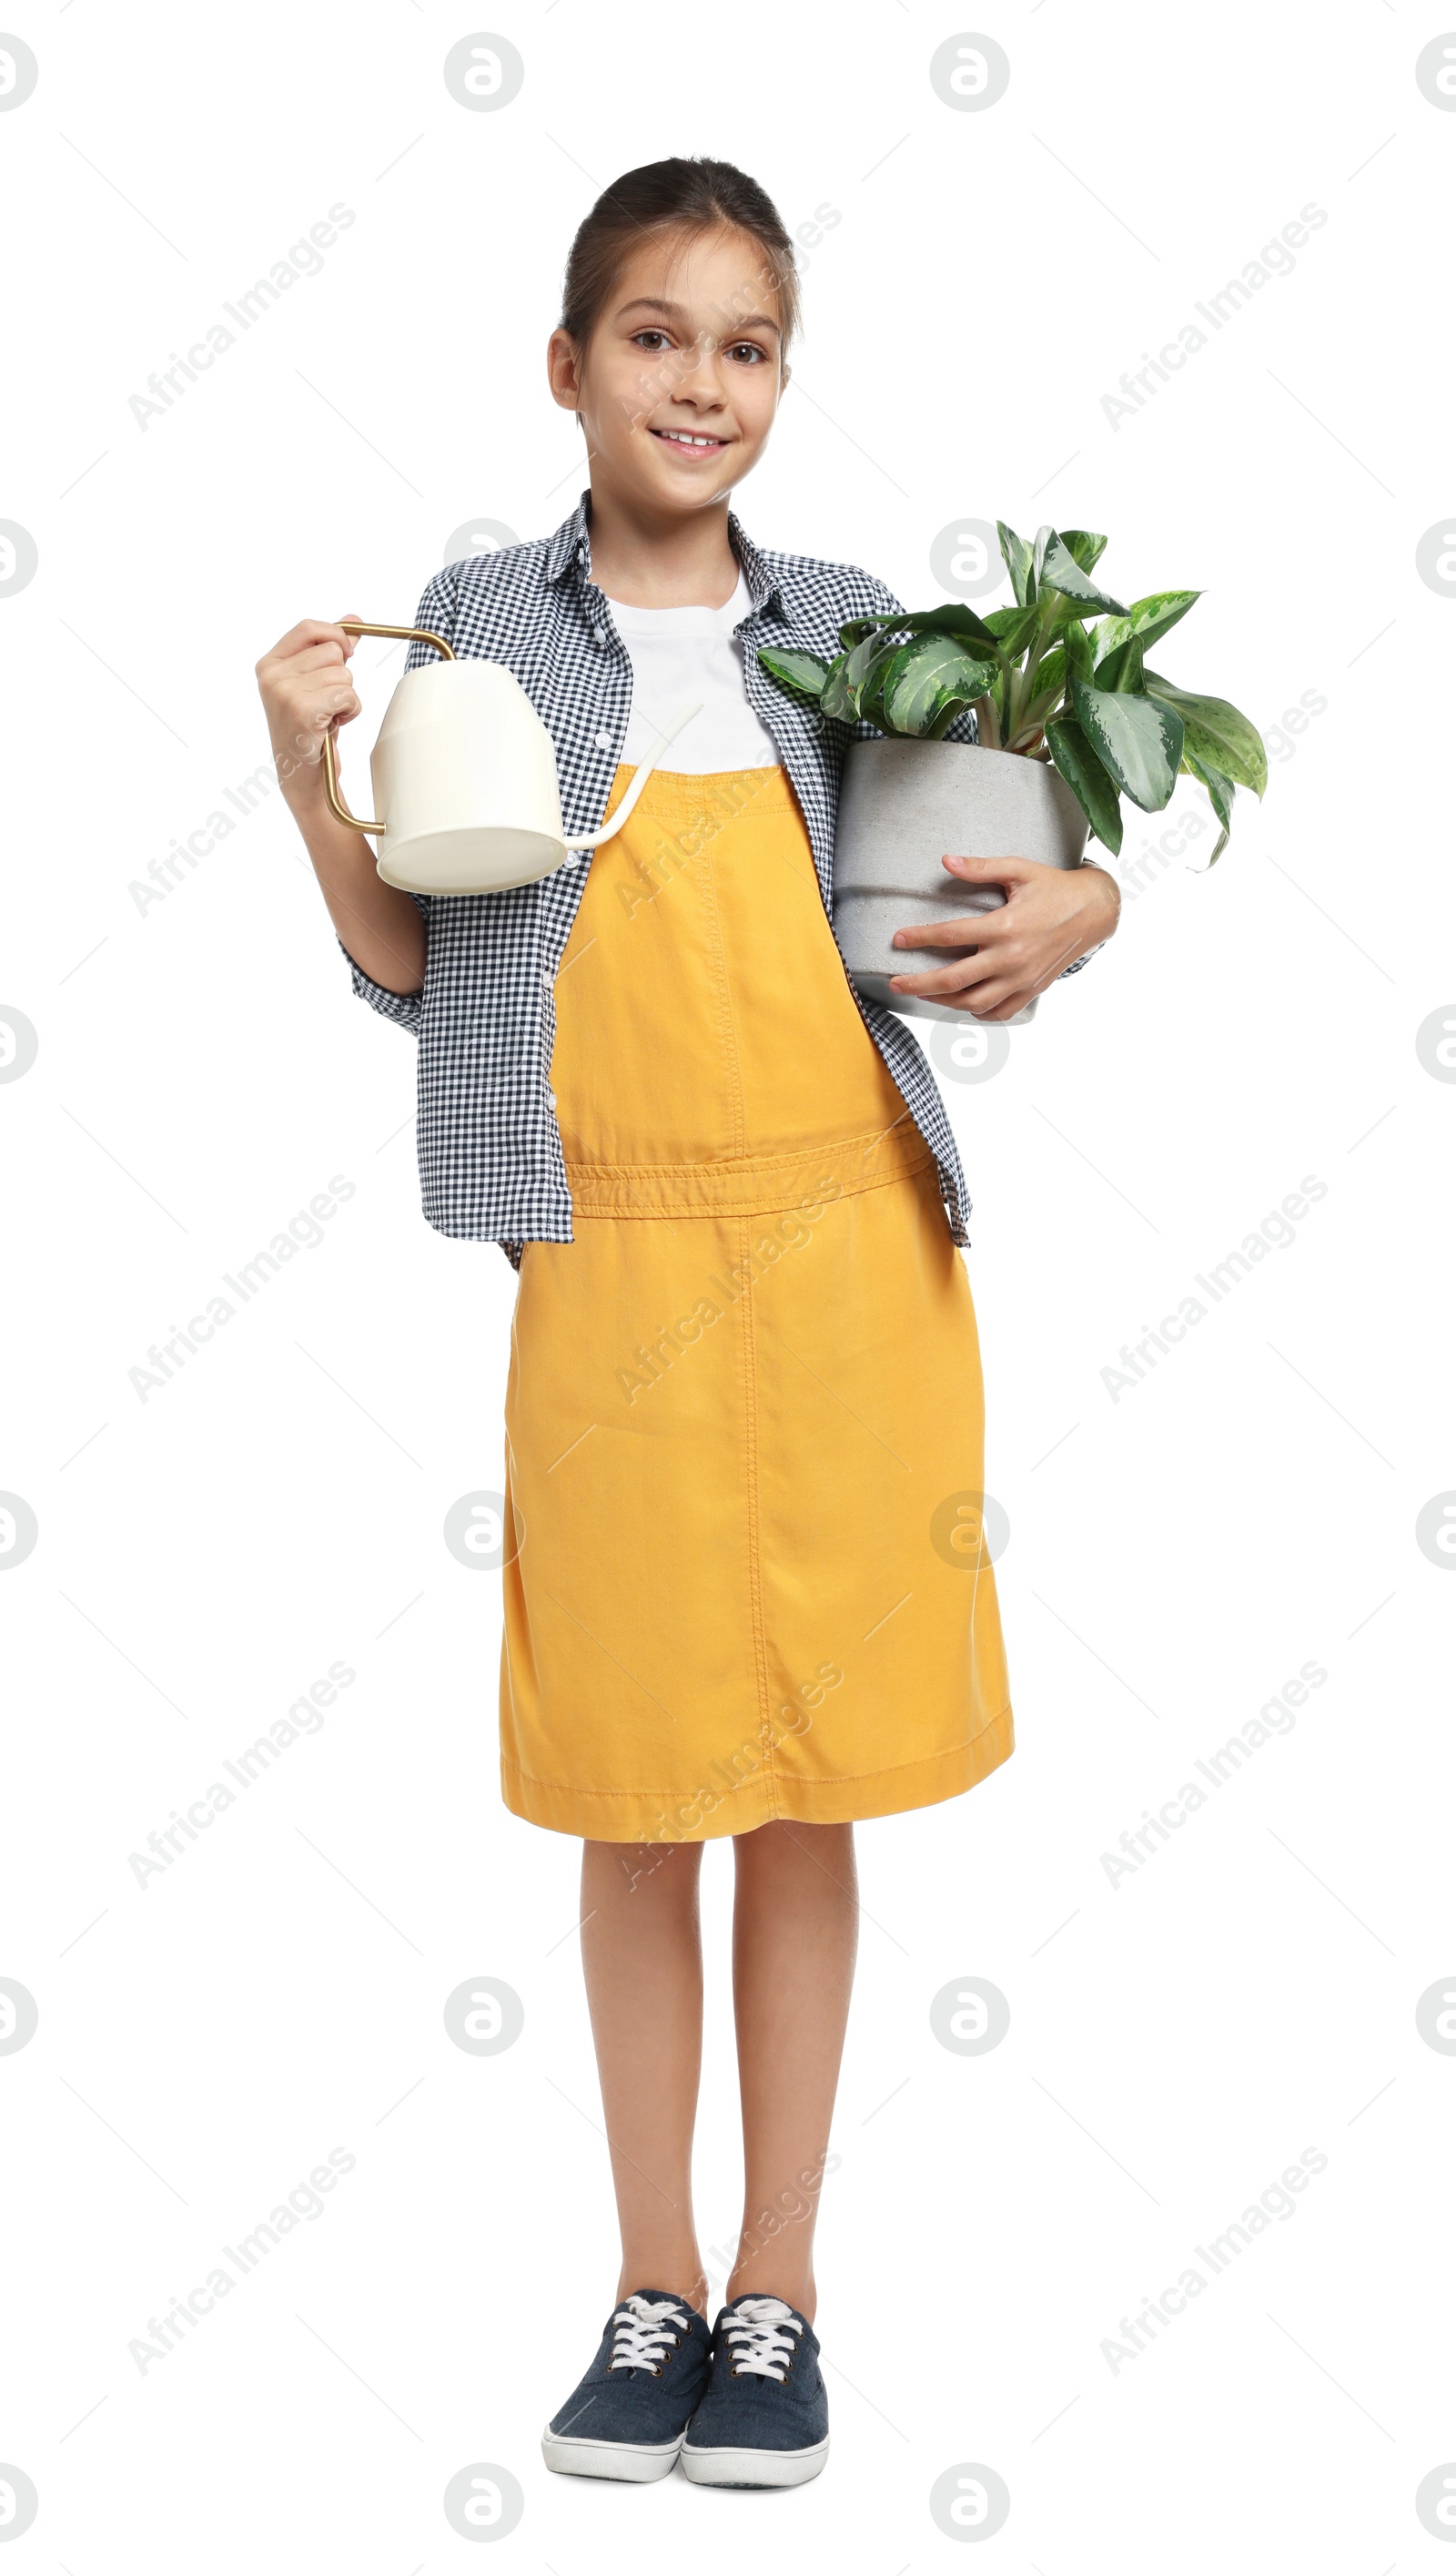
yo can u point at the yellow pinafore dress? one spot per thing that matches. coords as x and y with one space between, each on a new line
744 1406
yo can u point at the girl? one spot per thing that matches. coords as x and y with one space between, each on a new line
744 1416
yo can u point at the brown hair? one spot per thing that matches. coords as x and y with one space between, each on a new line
695 195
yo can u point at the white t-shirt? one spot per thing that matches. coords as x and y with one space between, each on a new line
682 654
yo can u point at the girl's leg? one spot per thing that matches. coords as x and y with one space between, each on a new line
795 1924
642 1957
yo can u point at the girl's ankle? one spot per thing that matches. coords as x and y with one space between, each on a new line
778 2284
666 2279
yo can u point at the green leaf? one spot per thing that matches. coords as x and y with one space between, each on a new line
1016 555
931 677
804 672
1082 546
860 656
952 617
838 699
1220 797
1216 734
1077 645
1077 762
872 706
864 671
1012 628
1122 668
1137 739
1059 570
1147 619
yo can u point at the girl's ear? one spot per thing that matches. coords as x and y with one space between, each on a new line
563 372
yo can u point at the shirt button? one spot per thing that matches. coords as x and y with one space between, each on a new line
551 1099
604 742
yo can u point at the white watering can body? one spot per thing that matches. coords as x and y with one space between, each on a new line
464 772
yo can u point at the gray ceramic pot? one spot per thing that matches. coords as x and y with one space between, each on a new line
903 804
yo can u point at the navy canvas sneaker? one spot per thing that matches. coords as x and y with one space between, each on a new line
764 2417
627 2417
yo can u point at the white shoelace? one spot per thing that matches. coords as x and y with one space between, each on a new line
644 2332
761 2333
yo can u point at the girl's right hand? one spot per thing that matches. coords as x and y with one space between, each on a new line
304 684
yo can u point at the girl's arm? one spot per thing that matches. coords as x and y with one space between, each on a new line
304 684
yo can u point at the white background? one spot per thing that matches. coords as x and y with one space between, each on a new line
1177 2039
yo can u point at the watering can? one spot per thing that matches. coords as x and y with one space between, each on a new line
464 776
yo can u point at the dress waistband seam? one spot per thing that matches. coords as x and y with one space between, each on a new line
753 1185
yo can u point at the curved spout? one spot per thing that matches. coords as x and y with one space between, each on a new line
614 822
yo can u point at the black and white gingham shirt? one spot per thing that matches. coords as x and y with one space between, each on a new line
491 1164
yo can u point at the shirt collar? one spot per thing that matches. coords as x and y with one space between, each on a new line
569 552
571 545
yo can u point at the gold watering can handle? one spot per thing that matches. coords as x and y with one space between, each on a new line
358 626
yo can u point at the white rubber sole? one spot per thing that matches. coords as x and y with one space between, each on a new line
639 2462
754 2468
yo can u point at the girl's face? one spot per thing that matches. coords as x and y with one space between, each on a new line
678 385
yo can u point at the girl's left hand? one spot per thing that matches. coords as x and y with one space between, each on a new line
1050 917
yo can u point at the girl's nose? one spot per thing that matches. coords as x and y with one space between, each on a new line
698 372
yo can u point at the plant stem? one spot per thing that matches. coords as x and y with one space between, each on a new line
988 726
1025 691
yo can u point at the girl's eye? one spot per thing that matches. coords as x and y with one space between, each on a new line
748 349
641 339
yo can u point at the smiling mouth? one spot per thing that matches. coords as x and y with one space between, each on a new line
690 443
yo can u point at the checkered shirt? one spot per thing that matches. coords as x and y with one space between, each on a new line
491 1162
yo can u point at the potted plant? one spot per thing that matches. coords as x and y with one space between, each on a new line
1064 699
